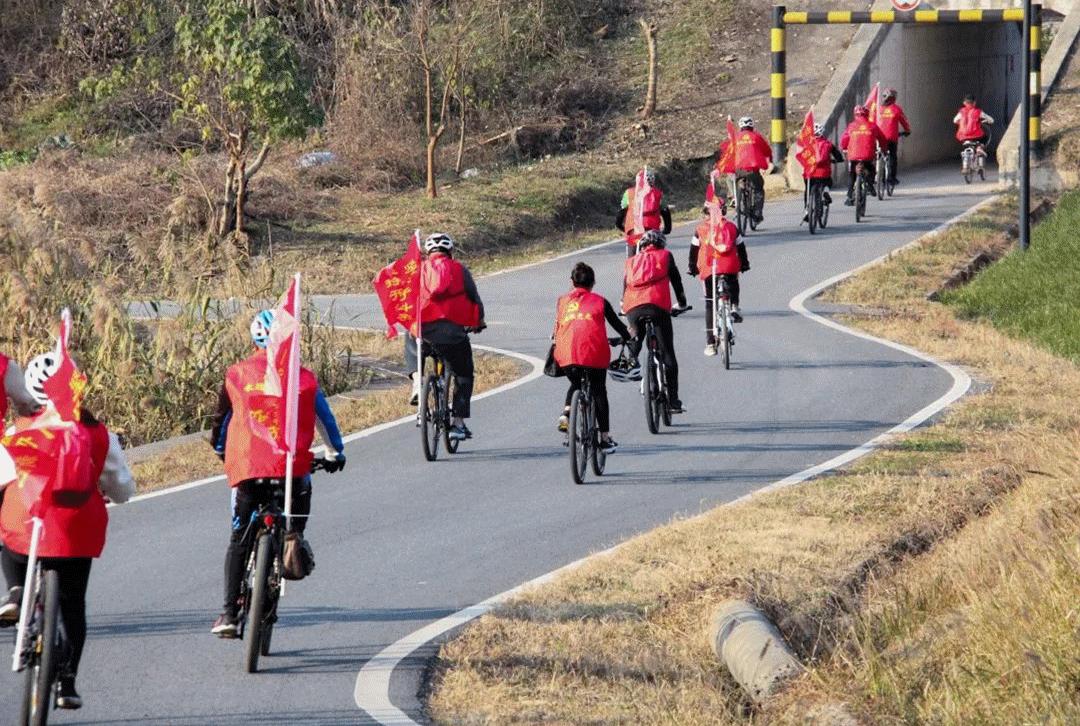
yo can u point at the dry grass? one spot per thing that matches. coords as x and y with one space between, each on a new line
935 581
357 410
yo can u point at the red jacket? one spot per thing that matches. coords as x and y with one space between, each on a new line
890 119
648 280
580 330
752 151
823 153
860 140
3 389
255 440
69 531
970 127
442 292
718 245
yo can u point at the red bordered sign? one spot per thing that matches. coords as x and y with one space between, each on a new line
906 5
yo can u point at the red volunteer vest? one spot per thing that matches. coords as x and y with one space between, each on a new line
862 140
823 151
889 120
647 281
255 443
970 127
77 531
580 332
719 247
3 388
752 151
442 293
650 214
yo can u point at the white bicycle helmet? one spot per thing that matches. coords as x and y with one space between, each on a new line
625 369
438 242
40 369
746 122
819 130
260 327
650 177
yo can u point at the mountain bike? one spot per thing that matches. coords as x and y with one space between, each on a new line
744 205
582 435
435 413
654 383
723 328
817 205
44 646
882 173
862 188
973 161
260 590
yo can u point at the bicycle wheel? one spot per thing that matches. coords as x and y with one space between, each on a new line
890 186
823 212
597 457
812 202
445 414
652 394
725 332
271 618
38 692
429 417
860 199
578 437
260 601
751 207
881 179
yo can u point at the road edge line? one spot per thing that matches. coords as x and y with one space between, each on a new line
371 691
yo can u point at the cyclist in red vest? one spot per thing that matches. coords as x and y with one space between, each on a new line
891 119
717 240
654 213
581 346
450 308
247 436
971 121
826 154
73 510
860 142
649 279
753 155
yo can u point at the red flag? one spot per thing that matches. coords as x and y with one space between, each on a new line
726 163
66 387
398 288
872 103
283 359
641 188
806 148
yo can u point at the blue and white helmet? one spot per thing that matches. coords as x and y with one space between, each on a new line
260 327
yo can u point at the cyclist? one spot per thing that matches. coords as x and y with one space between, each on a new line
649 278
247 436
971 121
826 154
890 119
717 239
581 346
753 155
859 142
450 306
74 528
654 212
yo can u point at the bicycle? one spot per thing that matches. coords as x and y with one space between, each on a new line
260 590
435 414
43 646
861 190
817 207
654 385
582 435
744 205
884 163
723 328
973 160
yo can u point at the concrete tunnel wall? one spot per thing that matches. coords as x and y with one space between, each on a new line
932 67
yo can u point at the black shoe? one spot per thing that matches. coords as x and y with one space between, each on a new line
806 218
458 433
9 608
608 447
66 695
226 626
676 406
827 198
871 190
736 317
849 202
894 182
468 432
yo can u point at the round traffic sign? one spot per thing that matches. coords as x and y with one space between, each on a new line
906 5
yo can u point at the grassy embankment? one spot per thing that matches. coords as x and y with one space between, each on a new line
936 580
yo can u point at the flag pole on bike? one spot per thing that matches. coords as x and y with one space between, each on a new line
65 390
397 287
283 361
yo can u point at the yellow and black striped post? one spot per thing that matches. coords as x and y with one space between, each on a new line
1035 79
920 17
778 130
1031 105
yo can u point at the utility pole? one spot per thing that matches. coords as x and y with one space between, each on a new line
1031 102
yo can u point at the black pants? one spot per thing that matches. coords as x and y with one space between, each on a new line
74 573
732 282
757 183
662 320
248 496
458 355
894 161
870 170
598 384
827 181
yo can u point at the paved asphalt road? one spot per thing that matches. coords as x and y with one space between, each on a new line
401 542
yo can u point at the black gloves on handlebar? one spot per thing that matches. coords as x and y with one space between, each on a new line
336 464
693 272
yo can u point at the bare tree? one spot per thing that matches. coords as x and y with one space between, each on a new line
650 92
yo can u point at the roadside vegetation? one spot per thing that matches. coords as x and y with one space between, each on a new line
934 581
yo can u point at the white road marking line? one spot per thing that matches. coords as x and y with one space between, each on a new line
372 689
